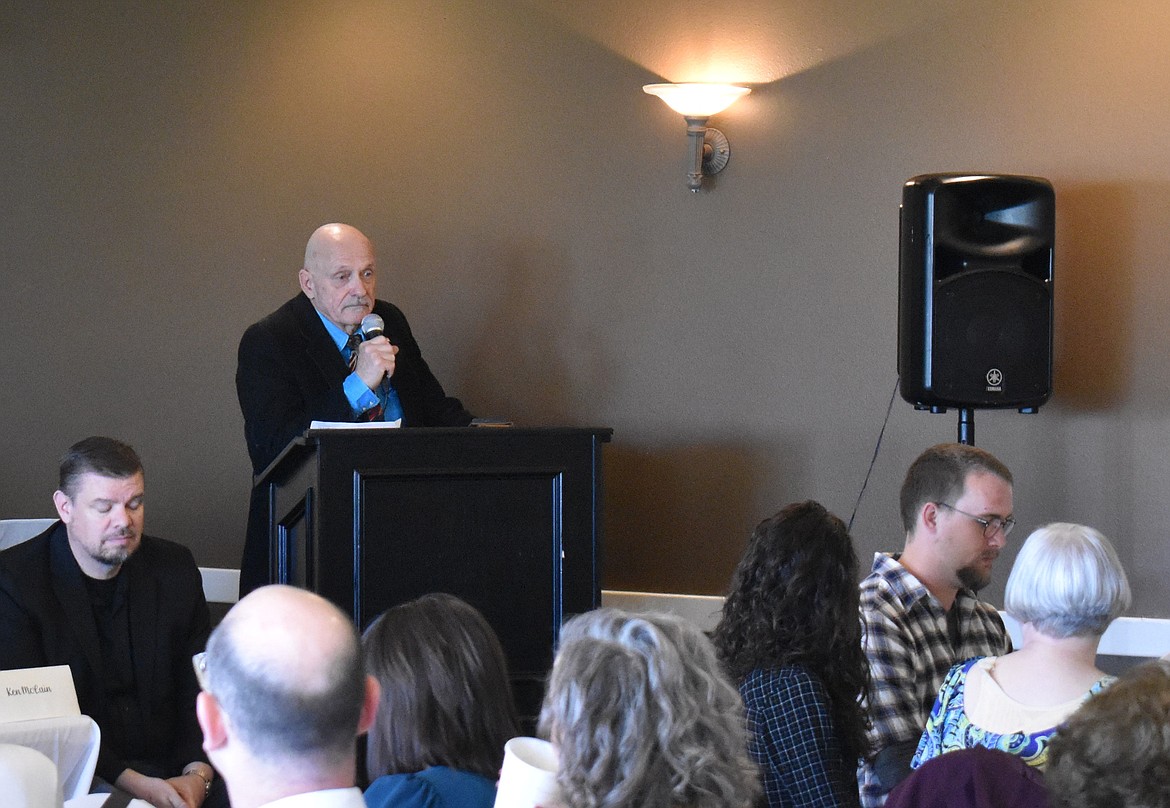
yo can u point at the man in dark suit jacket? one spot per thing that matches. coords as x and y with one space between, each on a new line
294 368
125 612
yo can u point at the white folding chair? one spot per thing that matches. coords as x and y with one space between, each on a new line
28 779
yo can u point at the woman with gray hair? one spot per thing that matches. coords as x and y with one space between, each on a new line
643 717
1066 586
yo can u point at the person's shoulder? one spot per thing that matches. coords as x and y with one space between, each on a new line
31 554
783 674
28 571
25 570
781 696
435 787
391 789
890 587
789 681
288 316
987 614
885 571
961 670
986 609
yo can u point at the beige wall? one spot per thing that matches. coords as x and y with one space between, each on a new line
163 167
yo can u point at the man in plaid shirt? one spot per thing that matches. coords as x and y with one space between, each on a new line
919 610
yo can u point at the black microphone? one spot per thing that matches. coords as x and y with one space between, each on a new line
372 326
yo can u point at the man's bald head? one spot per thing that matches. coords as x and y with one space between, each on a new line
339 275
286 667
328 238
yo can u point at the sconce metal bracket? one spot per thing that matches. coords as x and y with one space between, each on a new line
716 151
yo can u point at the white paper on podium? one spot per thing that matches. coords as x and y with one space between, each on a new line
349 425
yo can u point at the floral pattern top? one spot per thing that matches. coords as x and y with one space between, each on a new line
949 727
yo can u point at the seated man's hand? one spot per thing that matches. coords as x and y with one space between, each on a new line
158 792
191 788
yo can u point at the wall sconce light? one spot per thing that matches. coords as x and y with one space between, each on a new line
709 148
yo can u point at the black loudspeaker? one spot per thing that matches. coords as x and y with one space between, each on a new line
975 291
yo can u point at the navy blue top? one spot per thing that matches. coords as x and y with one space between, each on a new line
794 742
436 787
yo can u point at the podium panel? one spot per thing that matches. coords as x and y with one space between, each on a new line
507 519
505 561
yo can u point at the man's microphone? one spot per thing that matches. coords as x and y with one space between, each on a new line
372 326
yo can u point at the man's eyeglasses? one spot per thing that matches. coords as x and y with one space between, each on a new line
199 662
990 526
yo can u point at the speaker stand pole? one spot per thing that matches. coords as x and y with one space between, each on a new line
967 426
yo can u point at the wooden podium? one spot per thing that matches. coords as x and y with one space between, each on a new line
507 519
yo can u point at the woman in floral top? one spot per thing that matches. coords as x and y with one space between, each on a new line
1066 587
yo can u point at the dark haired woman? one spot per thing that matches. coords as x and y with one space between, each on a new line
791 638
446 707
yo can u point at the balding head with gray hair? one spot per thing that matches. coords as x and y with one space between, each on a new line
285 694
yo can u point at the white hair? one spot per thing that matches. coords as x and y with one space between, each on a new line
1067 581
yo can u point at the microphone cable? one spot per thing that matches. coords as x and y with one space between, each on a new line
876 449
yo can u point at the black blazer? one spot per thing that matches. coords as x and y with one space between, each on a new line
290 373
46 619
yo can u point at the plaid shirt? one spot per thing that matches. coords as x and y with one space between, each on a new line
910 653
794 742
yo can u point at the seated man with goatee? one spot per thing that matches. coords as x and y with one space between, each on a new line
919 609
126 613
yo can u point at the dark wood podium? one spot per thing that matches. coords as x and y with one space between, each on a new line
508 519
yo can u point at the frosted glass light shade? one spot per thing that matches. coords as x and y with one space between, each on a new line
697 100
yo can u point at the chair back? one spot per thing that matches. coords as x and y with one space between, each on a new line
972 778
28 779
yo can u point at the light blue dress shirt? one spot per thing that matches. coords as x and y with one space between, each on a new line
361 398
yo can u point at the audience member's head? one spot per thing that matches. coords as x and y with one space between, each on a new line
643 715
1067 581
284 696
940 475
446 698
957 505
794 601
1115 750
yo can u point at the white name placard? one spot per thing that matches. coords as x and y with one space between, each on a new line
29 693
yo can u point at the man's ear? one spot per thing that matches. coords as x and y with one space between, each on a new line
211 720
64 506
306 279
369 705
929 516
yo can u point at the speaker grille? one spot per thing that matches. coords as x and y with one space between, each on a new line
991 340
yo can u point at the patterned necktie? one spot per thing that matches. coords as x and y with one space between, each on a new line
355 339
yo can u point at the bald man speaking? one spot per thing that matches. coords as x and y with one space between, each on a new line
306 361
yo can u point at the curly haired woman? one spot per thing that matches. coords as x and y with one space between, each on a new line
644 717
791 638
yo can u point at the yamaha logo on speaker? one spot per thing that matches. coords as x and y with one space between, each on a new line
994 380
